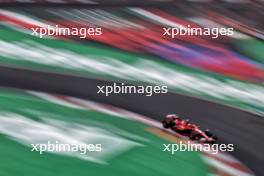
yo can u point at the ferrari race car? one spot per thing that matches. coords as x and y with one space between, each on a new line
185 128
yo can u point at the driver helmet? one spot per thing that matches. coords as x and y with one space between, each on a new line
187 121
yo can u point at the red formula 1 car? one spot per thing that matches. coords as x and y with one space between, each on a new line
184 127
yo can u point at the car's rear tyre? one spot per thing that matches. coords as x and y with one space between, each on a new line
168 123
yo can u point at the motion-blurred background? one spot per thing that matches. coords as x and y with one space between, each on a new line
227 70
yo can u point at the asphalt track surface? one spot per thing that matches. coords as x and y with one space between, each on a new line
243 129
